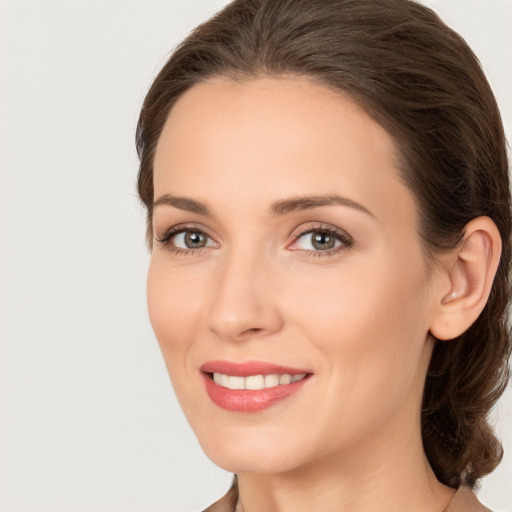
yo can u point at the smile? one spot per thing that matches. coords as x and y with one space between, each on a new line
255 382
251 386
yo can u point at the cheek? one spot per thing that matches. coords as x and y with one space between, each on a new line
173 305
373 299
368 322
368 331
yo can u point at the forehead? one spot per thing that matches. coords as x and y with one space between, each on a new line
263 109
269 137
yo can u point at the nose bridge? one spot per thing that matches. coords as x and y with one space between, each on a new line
242 303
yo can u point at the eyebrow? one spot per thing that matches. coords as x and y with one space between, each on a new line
278 208
285 206
183 203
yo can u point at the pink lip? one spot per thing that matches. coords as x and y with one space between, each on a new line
249 368
248 400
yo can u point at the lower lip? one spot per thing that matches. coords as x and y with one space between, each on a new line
248 400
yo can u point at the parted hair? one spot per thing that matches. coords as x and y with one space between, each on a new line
419 80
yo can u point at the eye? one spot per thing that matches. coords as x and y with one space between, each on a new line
190 239
185 240
322 241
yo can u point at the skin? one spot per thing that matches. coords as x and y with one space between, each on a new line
357 318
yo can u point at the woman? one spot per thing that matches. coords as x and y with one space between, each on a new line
329 215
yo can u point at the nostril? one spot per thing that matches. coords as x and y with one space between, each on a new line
252 330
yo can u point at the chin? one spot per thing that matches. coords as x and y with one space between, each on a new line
251 463
250 453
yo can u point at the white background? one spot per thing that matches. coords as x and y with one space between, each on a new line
88 420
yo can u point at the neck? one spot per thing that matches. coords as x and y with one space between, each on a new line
391 473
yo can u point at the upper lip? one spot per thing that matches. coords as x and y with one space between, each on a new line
249 368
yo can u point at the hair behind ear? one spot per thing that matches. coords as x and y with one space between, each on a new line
468 371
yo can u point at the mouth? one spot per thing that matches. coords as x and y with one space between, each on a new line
255 382
252 386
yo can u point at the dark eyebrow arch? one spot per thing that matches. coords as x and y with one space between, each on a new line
278 208
306 202
183 203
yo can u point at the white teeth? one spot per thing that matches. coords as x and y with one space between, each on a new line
271 381
236 382
255 382
285 379
224 380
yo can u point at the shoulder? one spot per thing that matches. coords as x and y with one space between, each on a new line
465 500
228 503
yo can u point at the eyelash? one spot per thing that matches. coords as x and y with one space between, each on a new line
344 238
346 241
165 239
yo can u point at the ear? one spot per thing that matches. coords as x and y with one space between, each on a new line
468 276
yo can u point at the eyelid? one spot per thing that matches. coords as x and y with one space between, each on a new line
346 240
164 240
342 236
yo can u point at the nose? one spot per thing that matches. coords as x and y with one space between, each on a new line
244 303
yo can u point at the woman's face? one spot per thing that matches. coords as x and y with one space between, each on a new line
287 238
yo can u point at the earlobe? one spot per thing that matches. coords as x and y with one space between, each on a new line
472 267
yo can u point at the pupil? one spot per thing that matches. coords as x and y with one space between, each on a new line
194 239
323 241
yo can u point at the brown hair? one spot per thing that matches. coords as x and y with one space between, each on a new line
421 82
